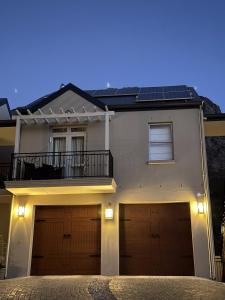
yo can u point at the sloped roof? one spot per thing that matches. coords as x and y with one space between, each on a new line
4 101
128 98
39 103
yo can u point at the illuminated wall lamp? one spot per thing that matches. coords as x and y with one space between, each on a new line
109 212
201 207
21 211
201 203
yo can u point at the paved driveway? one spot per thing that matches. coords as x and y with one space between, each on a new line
111 288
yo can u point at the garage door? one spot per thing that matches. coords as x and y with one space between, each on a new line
67 240
155 239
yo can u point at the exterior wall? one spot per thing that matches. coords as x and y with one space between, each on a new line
7 136
214 128
138 182
68 100
5 210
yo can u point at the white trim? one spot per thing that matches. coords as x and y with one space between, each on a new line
31 241
56 117
17 136
9 235
106 132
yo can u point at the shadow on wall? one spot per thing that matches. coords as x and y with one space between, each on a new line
215 147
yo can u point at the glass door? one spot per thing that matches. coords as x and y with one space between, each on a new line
68 146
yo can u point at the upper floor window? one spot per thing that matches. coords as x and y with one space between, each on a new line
160 142
68 139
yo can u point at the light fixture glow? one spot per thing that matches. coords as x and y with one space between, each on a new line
201 207
109 212
21 211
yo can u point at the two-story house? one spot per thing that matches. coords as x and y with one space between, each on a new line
110 182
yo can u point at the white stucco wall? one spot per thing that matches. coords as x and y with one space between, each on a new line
138 182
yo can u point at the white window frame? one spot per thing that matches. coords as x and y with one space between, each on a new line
68 135
161 161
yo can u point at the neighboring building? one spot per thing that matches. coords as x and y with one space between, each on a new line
136 153
215 147
5 113
7 139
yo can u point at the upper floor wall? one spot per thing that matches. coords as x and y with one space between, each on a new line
129 144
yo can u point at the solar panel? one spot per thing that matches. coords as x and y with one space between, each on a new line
148 90
166 93
177 88
150 96
130 95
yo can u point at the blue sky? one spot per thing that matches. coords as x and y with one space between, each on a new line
125 43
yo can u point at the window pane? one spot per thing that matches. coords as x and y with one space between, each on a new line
59 129
160 133
160 142
78 129
78 143
59 144
161 152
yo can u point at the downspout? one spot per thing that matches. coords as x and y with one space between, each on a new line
207 195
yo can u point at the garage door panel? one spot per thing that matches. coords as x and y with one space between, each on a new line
135 266
67 241
85 236
132 233
83 265
129 213
48 238
48 265
48 212
161 245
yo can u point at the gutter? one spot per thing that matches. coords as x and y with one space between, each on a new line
207 193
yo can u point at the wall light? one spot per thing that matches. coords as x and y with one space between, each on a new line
201 203
21 211
201 207
109 212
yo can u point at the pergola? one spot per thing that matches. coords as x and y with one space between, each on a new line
64 117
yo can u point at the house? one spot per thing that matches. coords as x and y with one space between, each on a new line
110 182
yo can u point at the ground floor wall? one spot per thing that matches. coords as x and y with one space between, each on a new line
5 209
21 232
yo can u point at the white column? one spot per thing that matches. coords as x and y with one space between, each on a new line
106 131
17 136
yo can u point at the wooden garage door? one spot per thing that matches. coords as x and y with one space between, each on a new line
67 240
155 239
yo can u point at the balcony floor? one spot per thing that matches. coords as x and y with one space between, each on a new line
61 186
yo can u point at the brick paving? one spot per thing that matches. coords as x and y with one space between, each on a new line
111 288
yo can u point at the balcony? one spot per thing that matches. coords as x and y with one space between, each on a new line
61 173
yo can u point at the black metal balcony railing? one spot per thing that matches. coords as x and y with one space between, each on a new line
57 165
4 173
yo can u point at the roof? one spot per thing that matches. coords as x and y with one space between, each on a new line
215 117
4 101
128 98
39 103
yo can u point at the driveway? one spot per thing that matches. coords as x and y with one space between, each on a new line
111 288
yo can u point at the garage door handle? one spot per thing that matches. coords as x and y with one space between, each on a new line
95 255
155 236
67 236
